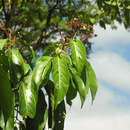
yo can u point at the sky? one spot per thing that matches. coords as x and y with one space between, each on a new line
110 59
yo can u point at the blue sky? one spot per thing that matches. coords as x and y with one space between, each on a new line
111 62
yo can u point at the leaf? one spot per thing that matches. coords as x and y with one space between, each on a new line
60 114
4 61
26 68
51 100
40 119
49 50
2 43
99 2
6 94
82 89
91 80
102 24
27 97
78 54
126 19
71 93
30 49
60 77
10 121
42 68
16 66
2 122
33 53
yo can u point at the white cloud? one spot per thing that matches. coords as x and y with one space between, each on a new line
109 38
119 122
103 114
112 68
110 111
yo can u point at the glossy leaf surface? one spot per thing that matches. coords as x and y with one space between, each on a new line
78 54
27 97
42 67
16 66
40 119
60 76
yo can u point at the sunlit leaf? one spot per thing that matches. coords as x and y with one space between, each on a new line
16 66
2 122
40 119
27 97
78 54
60 76
42 67
2 43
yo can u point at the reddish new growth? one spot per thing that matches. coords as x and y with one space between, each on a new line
84 31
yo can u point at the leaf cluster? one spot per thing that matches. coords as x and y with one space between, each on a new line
60 74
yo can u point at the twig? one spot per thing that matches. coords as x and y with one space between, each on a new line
50 11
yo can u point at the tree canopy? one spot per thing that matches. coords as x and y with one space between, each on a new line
44 46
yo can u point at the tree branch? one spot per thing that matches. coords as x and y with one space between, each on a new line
50 11
4 7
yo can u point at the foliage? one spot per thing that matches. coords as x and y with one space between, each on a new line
59 31
20 80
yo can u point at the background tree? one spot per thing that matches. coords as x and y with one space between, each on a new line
58 31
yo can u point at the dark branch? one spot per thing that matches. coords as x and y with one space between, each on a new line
44 30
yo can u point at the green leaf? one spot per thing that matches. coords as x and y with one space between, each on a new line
71 93
30 49
82 89
4 61
42 68
126 19
60 114
102 24
91 80
78 54
40 119
9 124
51 100
10 121
60 77
27 97
6 94
33 53
2 43
49 50
2 122
26 68
16 66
